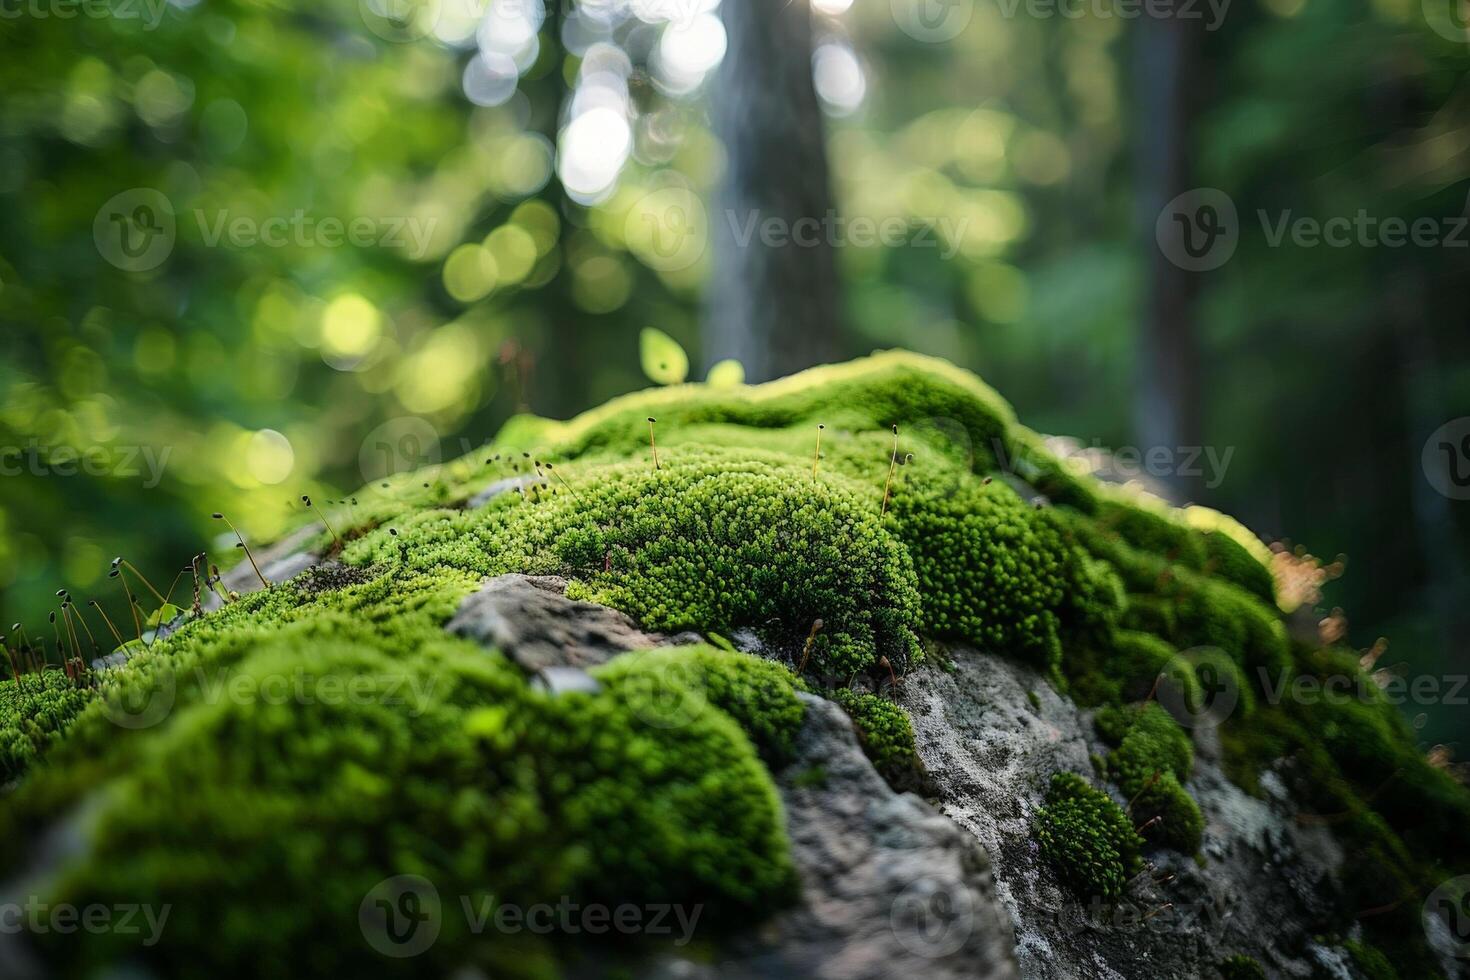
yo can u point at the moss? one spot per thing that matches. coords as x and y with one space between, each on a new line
597 793
1086 837
685 682
999 573
1152 759
1241 967
399 750
886 735
1230 560
1151 530
1370 961
712 540
35 711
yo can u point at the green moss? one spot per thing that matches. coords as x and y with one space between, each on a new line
1230 560
35 712
886 735
1241 967
685 682
1152 759
998 573
1086 837
316 744
1371 962
486 780
712 540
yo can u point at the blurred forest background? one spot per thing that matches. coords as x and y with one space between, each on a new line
530 187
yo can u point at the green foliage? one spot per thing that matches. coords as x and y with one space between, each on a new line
1086 837
886 734
1241 967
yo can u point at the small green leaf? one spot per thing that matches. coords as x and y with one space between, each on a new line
728 373
164 614
664 361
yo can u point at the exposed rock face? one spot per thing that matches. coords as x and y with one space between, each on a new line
992 732
530 620
889 887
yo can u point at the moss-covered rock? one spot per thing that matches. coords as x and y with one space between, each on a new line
931 515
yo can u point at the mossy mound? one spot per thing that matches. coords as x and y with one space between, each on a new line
1152 758
1087 837
886 735
313 744
929 513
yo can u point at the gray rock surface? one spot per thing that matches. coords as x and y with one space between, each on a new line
530 620
1260 889
890 887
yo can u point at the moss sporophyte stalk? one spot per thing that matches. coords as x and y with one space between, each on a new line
259 822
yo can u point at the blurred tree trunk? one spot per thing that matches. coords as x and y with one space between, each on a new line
772 303
1167 399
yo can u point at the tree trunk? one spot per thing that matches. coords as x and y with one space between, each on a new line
1167 402
773 300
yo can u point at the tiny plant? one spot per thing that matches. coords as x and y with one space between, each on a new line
892 465
241 539
306 499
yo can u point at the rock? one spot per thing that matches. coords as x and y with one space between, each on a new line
507 485
889 887
530 620
1263 889
279 562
